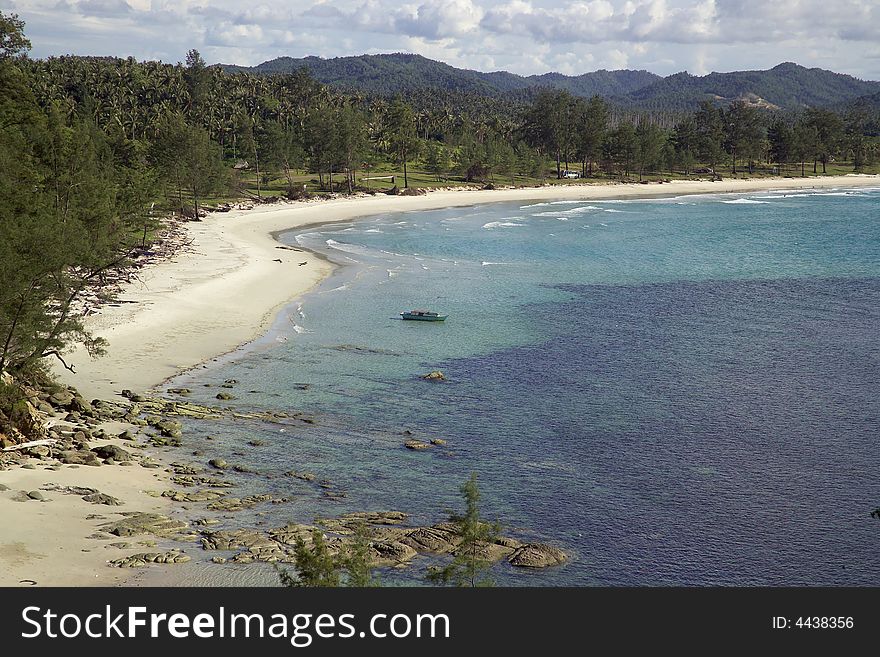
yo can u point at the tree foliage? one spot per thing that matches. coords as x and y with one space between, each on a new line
317 566
470 566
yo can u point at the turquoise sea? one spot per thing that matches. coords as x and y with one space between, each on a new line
680 391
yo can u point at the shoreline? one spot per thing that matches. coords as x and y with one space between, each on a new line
222 292
190 309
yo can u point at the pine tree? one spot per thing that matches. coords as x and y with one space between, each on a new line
469 567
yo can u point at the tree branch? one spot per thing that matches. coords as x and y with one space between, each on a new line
57 355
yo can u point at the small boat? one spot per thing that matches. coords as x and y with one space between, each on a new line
423 316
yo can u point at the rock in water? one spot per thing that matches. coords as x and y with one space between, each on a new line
537 555
436 375
415 444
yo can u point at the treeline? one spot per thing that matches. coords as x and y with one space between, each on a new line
571 129
281 125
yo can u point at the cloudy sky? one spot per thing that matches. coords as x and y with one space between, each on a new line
522 36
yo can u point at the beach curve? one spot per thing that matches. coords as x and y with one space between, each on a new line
226 290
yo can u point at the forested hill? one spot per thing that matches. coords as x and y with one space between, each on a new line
387 75
788 85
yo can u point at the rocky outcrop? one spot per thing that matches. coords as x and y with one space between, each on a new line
391 542
136 523
537 555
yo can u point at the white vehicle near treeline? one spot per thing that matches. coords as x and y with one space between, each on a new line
570 174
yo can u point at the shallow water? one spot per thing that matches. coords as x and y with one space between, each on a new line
676 391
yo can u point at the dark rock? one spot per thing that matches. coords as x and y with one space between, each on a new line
436 375
415 444
438 441
220 464
78 457
102 498
305 476
112 452
62 399
225 396
36 495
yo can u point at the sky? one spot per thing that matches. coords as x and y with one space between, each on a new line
522 36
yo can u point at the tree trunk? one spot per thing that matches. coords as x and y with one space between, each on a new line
803 169
405 179
558 166
257 165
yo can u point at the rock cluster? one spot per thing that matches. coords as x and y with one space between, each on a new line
391 542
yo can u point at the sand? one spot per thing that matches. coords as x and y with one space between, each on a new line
226 292
46 541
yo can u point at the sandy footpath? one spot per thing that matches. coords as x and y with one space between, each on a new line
226 292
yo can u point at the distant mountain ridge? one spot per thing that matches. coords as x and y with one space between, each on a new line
405 73
788 85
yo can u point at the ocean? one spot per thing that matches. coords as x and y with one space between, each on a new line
678 391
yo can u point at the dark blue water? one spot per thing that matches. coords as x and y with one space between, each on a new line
676 392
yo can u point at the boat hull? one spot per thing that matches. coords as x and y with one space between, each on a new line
423 318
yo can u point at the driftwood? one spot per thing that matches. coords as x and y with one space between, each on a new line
33 443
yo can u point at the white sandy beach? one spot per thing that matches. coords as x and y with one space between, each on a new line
226 292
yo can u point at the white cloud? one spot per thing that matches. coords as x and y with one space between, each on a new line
518 35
